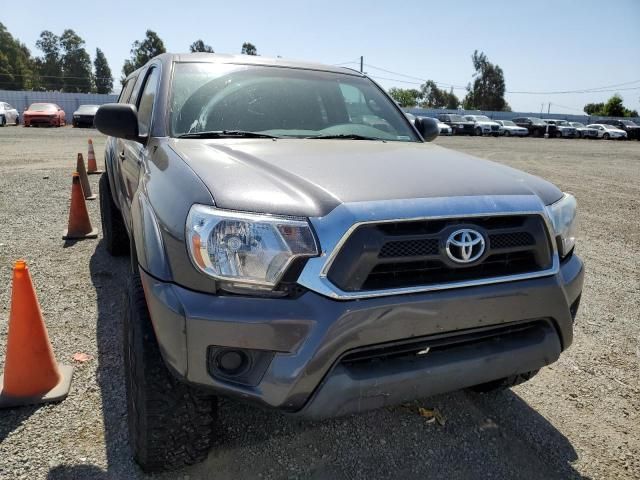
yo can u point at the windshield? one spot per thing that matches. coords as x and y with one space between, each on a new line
508 123
629 123
577 124
282 102
564 123
87 108
537 121
42 107
456 118
482 118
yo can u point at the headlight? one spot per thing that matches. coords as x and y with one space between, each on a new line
246 250
563 219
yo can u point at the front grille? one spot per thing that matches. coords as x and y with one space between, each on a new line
413 253
495 128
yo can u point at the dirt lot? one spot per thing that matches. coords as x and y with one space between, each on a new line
578 418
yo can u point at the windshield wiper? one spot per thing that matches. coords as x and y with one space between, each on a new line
346 136
226 134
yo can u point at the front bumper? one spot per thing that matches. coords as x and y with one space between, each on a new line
309 336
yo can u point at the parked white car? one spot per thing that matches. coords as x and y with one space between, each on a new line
8 114
508 129
584 132
484 125
444 128
607 132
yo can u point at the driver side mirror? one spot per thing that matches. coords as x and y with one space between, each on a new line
428 128
118 120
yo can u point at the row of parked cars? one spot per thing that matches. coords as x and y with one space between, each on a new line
46 114
456 124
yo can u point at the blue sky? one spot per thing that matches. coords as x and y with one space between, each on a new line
542 46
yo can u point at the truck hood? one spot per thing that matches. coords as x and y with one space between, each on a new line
310 178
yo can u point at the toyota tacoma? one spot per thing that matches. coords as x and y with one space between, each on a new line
296 242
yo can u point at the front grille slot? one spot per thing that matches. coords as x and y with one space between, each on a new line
408 254
416 348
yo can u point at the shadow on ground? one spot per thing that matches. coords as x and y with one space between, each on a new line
485 436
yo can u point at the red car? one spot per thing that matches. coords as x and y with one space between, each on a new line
48 114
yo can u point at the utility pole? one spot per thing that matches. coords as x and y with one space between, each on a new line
361 63
549 108
541 108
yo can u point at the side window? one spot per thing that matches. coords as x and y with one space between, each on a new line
126 90
145 105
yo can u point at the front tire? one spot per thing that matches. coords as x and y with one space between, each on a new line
171 424
113 229
605 136
504 383
478 132
3 121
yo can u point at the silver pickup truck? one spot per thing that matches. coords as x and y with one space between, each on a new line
298 243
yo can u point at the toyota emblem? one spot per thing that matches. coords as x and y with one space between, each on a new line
465 245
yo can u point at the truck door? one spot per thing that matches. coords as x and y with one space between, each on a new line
130 152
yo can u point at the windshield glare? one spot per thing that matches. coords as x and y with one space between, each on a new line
508 123
628 123
457 118
283 102
87 108
483 118
42 107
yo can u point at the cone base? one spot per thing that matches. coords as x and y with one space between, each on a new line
91 197
92 234
95 172
56 394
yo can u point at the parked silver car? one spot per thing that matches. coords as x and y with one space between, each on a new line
508 129
484 125
583 131
8 114
563 128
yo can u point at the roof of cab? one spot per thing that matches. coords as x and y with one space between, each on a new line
166 58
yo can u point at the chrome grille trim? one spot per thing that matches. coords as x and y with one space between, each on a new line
334 229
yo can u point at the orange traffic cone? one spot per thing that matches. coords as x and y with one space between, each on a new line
79 226
92 166
31 373
84 179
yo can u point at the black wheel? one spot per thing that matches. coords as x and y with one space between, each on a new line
113 229
17 120
170 423
605 136
3 121
504 383
507 133
578 135
558 134
478 132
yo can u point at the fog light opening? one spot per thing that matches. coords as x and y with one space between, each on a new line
232 362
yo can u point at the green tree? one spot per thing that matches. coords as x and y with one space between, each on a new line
614 107
406 97
17 68
200 46
488 87
142 52
249 49
434 97
102 73
76 63
49 66
453 102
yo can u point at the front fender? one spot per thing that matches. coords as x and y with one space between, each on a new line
148 242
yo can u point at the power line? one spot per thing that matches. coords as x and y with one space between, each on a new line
603 89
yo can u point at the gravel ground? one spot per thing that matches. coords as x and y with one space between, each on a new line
578 418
